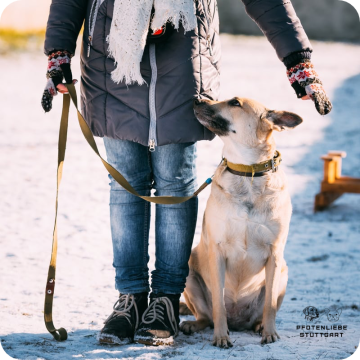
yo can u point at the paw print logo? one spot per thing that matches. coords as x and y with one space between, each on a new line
333 315
311 313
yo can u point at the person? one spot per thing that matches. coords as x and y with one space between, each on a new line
142 65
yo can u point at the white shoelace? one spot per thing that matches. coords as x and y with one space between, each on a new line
153 312
122 307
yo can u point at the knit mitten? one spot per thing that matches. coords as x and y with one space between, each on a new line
305 81
58 69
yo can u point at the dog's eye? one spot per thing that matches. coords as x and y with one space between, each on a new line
234 102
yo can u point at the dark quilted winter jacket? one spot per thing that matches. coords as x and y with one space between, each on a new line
183 67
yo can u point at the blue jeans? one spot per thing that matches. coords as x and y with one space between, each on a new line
169 170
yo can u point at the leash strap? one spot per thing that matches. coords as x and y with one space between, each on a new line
61 334
58 334
112 171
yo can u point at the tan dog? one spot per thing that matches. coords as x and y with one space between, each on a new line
238 274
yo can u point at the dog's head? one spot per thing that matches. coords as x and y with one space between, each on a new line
243 121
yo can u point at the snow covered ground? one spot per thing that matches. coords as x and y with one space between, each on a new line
322 252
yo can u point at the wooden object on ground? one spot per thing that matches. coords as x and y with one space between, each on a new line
333 184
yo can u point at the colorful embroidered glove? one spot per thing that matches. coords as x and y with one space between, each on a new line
58 68
305 81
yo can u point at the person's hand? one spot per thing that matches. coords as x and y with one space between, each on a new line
61 88
305 81
58 69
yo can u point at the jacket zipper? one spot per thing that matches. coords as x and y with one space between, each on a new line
92 20
152 129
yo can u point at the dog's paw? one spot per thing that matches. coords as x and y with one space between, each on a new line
222 342
189 327
269 336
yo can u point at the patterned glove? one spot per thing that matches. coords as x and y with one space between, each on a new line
305 81
58 68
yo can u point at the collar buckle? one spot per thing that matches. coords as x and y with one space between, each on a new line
273 165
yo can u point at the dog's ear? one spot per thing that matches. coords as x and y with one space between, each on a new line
339 311
327 311
306 311
282 120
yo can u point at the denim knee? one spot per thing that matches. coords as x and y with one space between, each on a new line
174 169
132 160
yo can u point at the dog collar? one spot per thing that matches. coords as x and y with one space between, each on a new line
254 170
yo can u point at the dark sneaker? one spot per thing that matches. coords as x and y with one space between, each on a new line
160 322
120 326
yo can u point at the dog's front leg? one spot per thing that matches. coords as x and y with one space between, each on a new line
272 280
217 272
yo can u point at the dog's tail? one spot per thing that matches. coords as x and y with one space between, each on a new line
184 310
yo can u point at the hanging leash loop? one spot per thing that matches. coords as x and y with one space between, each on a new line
59 334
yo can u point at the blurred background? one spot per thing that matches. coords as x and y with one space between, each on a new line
323 249
22 23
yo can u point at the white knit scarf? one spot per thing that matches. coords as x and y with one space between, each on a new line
129 29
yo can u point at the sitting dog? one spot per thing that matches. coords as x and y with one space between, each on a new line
238 274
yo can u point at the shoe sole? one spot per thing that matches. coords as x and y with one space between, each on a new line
155 342
113 340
